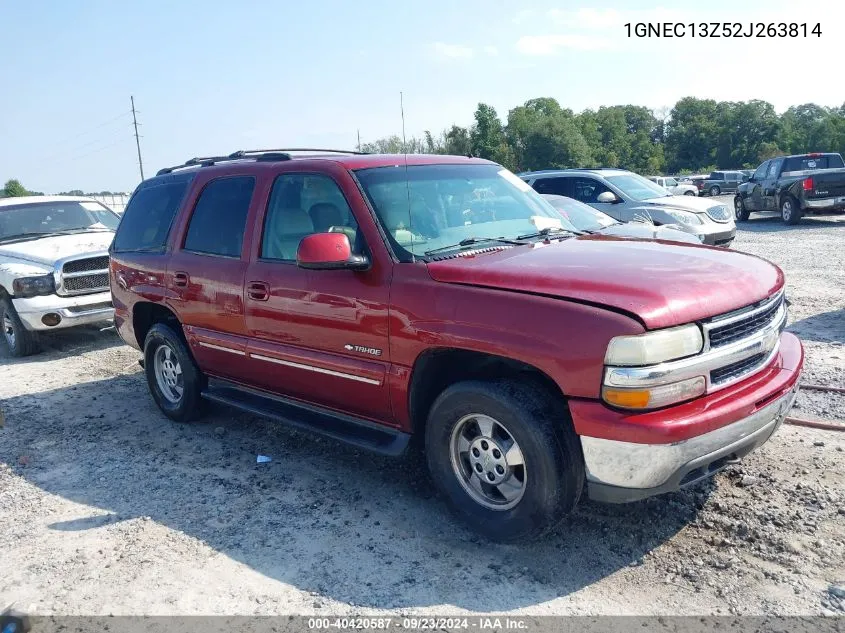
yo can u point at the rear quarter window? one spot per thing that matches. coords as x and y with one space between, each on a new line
148 217
805 163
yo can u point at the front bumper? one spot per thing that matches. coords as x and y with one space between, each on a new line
718 234
72 311
634 456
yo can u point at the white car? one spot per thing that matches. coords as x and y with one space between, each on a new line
54 266
674 187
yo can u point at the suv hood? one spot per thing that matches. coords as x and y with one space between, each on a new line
682 203
662 284
48 250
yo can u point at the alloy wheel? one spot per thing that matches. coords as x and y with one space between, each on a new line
488 462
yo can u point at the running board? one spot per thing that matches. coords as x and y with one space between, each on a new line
310 418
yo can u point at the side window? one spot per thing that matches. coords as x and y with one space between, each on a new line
302 204
556 186
670 182
217 224
587 189
774 167
146 222
760 174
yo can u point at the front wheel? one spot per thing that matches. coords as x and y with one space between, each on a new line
790 211
689 193
19 341
506 457
172 375
715 191
742 214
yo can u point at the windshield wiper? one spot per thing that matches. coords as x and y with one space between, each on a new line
469 241
549 230
27 236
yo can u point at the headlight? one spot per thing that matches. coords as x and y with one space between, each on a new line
655 397
33 286
654 347
690 219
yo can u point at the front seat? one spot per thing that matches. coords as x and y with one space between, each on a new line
287 228
325 215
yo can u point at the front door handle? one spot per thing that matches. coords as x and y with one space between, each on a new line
180 279
258 290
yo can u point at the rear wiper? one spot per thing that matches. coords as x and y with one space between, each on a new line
547 232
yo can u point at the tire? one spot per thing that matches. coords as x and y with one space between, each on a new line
170 368
19 341
551 474
790 211
740 212
714 190
689 193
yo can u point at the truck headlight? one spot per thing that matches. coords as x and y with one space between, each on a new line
688 219
26 287
654 397
654 347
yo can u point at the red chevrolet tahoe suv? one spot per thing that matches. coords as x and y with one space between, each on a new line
377 299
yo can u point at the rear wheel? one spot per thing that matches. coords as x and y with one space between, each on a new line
172 375
19 341
715 191
790 211
506 457
742 214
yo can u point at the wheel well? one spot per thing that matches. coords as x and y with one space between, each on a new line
145 315
437 369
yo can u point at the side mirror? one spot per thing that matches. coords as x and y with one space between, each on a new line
328 251
607 197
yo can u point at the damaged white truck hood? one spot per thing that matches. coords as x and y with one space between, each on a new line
48 250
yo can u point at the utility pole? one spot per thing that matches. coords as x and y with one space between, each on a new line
137 141
359 140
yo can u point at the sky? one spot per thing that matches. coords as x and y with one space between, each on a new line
213 76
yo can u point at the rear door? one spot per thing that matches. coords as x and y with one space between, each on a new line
205 275
319 336
732 180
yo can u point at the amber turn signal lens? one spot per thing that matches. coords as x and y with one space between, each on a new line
627 399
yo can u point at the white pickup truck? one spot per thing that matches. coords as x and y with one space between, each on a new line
53 266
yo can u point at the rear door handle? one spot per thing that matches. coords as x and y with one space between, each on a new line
180 279
258 290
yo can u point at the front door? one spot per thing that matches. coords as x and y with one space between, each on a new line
318 336
205 276
770 202
754 200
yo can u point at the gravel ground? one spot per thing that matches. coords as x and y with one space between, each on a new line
106 507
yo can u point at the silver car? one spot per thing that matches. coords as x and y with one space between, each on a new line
626 196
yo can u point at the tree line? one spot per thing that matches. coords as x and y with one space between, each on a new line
14 189
696 135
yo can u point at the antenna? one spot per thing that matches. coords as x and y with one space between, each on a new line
405 153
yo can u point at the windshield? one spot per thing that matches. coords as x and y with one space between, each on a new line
427 207
583 217
32 220
636 187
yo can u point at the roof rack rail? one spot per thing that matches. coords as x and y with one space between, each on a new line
263 155
300 149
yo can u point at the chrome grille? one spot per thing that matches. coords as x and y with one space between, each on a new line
745 323
84 275
99 281
736 370
719 213
86 265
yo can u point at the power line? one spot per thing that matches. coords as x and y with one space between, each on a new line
92 129
137 141
100 149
